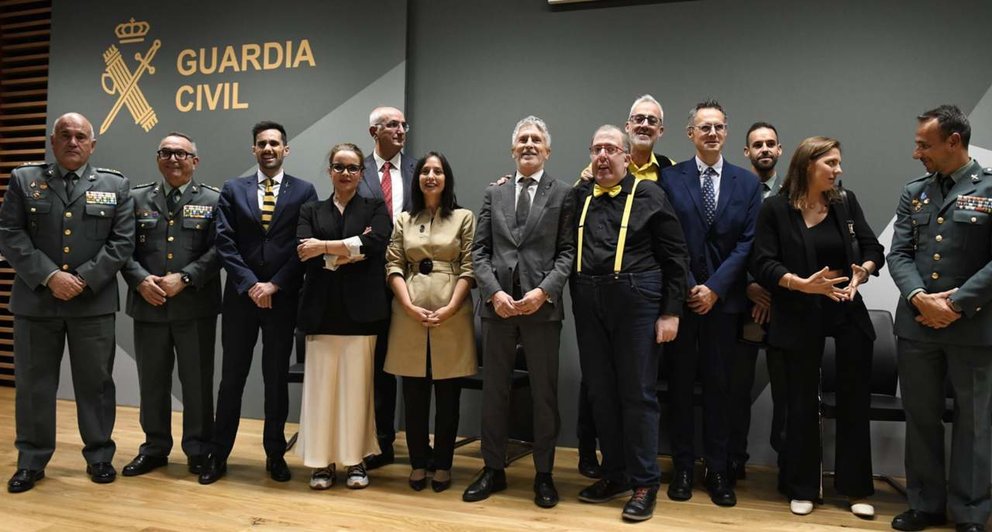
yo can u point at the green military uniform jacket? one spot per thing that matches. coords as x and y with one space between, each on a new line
90 234
940 243
177 242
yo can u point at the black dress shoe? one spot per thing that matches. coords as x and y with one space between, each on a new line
142 464
736 471
195 463
681 487
378 460
969 527
589 466
24 480
101 472
278 469
640 507
545 494
416 484
213 470
440 485
718 485
917 520
604 490
488 482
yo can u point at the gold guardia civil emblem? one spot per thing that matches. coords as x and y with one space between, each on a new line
118 79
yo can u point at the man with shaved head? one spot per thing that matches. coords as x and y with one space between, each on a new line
66 227
388 176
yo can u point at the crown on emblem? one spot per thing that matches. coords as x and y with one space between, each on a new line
130 32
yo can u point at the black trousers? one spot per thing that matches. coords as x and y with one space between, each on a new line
585 427
38 357
803 462
384 385
707 344
159 346
417 400
614 320
739 410
240 324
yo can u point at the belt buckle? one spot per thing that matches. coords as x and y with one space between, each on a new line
426 266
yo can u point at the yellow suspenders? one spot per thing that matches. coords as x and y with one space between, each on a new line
621 242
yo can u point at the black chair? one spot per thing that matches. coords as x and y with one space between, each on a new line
520 380
885 406
296 374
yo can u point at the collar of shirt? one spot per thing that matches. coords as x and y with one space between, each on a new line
702 166
959 173
771 182
182 188
648 171
536 177
80 172
275 179
379 161
340 206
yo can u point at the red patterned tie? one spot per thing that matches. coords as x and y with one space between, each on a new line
387 187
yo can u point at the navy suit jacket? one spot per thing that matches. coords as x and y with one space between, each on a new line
722 249
249 253
370 187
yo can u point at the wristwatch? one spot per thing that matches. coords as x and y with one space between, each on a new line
187 280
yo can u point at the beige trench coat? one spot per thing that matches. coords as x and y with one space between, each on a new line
447 242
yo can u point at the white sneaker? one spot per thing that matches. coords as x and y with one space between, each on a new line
800 507
863 510
323 478
357 477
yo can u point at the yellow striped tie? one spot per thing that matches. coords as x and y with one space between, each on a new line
268 204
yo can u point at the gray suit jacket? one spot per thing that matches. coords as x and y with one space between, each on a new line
942 243
543 254
371 188
175 242
90 234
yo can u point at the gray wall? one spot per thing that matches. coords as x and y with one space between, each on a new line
859 71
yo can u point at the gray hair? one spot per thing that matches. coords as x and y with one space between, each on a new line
647 98
182 136
610 128
532 121
707 104
58 121
376 116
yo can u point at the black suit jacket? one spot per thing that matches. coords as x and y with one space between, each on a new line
249 253
781 246
362 282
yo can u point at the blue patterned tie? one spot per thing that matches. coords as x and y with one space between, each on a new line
709 195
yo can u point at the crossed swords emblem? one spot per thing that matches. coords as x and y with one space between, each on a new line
118 79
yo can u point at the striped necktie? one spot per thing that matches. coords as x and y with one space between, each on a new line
268 203
387 187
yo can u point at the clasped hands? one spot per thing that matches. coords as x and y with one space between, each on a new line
430 318
155 289
819 283
65 285
935 309
506 307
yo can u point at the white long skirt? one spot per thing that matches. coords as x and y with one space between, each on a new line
337 417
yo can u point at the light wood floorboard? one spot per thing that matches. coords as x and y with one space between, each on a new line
171 499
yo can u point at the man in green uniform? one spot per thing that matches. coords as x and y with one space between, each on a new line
66 228
174 298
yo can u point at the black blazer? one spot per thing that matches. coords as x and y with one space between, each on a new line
780 247
362 282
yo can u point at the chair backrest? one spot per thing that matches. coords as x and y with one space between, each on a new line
884 370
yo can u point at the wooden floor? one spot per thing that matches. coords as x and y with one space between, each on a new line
171 499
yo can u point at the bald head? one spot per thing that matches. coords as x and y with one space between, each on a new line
72 140
388 128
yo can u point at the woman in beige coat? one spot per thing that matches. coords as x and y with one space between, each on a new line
431 336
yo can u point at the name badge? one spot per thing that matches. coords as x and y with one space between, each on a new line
974 203
94 197
198 211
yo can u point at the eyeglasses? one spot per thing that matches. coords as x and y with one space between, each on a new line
650 119
393 124
710 128
180 155
346 168
609 148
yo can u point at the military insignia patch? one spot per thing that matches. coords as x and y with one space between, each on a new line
94 197
198 211
974 203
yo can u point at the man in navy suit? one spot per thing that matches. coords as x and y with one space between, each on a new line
256 239
717 204
389 177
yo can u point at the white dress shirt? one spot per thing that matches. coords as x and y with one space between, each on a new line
276 181
531 190
395 178
718 167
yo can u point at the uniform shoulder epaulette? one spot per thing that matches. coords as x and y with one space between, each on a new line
144 185
211 187
110 171
988 170
33 163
